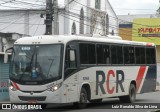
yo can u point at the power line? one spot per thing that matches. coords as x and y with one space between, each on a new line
134 9
12 22
117 18
7 2
29 3
31 25
37 27
99 28
21 3
79 22
109 25
22 23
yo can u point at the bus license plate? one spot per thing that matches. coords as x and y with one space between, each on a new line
32 101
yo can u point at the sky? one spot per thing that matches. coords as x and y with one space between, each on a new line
124 7
121 7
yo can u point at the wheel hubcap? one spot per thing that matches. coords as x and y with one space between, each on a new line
132 95
83 98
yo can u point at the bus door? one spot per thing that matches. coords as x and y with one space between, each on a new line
70 76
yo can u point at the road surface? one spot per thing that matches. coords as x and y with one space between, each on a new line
107 105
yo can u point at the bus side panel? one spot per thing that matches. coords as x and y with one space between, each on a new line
108 81
149 84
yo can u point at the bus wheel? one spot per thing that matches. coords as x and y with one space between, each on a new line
131 97
83 99
96 101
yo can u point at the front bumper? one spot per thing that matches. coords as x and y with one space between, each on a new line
29 97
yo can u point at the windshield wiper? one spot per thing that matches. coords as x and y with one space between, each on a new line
50 66
32 56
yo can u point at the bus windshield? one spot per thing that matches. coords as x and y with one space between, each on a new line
36 63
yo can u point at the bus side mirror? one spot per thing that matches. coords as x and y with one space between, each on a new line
5 57
72 55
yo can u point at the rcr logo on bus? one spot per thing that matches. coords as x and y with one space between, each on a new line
101 80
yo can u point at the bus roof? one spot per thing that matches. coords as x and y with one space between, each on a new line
55 39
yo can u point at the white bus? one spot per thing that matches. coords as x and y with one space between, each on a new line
79 69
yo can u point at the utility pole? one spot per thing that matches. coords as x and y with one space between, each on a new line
49 17
55 23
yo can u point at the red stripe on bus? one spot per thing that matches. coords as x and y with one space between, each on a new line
149 44
140 76
16 86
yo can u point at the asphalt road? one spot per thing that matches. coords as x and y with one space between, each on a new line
107 105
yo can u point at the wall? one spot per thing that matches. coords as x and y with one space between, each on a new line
75 8
15 21
125 33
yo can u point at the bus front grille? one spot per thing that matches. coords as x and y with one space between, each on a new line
27 98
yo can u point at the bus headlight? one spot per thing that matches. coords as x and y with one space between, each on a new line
54 87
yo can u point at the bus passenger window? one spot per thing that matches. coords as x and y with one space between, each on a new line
150 55
119 55
106 54
129 55
87 54
126 55
103 54
140 55
116 54
100 54
91 54
153 56
83 53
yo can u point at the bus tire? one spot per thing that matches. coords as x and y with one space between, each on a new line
82 100
131 97
96 101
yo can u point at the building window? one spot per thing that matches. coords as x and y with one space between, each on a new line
81 29
73 28
98 4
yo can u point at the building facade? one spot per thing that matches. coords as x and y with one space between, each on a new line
88 17
74 17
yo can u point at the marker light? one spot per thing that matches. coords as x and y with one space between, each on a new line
12 87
